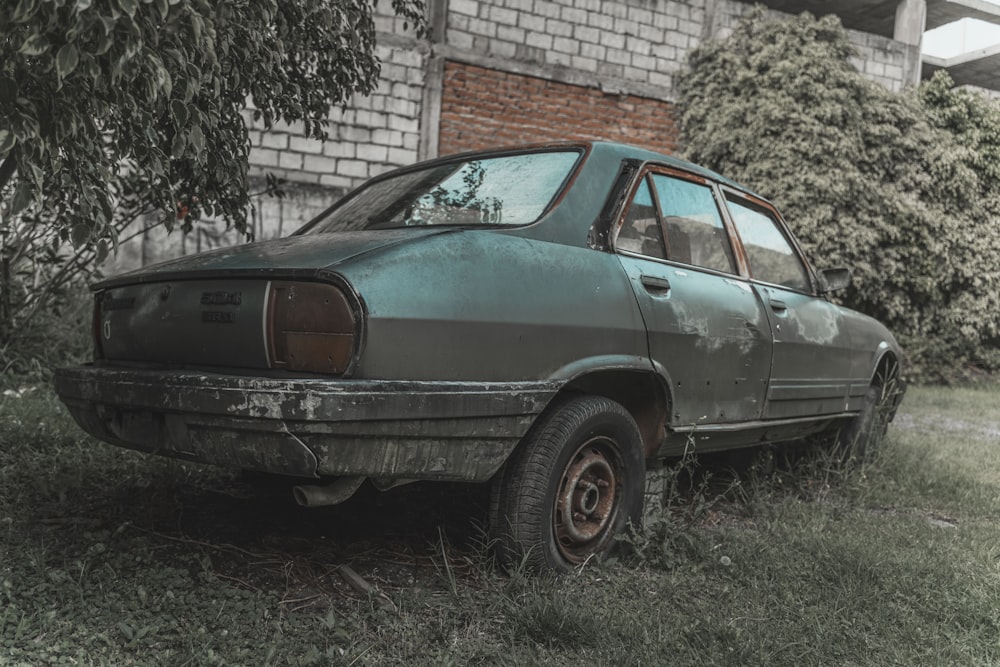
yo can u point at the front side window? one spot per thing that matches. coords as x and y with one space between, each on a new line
695 233
501 190
772 257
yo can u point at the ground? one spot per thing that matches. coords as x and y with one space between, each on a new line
110 557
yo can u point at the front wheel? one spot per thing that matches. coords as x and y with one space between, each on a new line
861 438
574 483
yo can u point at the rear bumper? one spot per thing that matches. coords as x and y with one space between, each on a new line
308 427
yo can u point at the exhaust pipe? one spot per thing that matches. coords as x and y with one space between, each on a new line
328 494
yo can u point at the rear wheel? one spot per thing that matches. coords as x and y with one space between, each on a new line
861 438
574 483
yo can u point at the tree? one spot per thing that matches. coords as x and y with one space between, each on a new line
866 178
91 91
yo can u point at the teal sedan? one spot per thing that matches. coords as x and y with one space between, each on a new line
550 320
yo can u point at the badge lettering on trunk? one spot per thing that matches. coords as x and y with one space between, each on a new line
221 298
218 316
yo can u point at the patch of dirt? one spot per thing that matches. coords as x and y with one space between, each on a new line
911 422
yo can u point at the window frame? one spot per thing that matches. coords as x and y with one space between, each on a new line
645 174
729 194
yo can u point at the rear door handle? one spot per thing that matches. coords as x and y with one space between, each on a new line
655 285
778 304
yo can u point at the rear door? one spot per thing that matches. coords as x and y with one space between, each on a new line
810 373
707 330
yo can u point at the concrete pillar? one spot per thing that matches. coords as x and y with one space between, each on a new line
430 112
911 21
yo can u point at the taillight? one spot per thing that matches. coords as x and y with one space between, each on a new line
311 327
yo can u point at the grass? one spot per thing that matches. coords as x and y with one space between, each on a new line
111 558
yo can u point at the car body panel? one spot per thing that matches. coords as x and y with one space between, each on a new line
710 331
488 320
810 374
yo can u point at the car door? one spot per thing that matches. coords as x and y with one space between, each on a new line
811 367
706 328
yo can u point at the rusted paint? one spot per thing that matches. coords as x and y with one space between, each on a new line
309 428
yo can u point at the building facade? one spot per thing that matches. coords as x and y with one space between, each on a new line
498 72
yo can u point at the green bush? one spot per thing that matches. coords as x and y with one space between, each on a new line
899 187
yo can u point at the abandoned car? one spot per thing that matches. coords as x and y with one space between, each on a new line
549 319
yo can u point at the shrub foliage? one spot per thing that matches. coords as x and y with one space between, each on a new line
902 188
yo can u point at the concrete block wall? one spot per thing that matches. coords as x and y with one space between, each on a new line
368 137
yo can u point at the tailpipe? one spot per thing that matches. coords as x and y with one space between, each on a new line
315 495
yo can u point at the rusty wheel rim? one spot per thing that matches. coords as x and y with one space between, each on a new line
887 379
588 500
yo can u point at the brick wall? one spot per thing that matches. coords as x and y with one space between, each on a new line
481 108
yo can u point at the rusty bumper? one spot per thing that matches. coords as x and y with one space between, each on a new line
308 427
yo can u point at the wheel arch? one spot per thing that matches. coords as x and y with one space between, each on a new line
885 357
642 392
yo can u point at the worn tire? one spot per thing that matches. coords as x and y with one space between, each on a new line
861 438
573 484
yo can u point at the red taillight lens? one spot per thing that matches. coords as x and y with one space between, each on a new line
311 328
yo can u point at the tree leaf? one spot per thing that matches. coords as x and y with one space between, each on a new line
7 141
197 138
21 199
35 45
66 60
24 10
179 111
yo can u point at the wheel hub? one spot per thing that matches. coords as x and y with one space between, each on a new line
587 502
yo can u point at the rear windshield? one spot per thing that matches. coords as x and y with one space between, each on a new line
500 190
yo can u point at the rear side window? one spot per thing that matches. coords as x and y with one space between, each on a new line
771 255
640 232
694 229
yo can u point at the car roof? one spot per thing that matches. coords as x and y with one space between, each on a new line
611 150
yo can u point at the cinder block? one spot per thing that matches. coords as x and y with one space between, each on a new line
467 7
566 45
337 181
335 149
459 40
557 58
319 164
573 15
503 49
355 168
593 51
291 161
558 28
373 152
402 156
583 63
503 16
303 145
539 40
264 157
